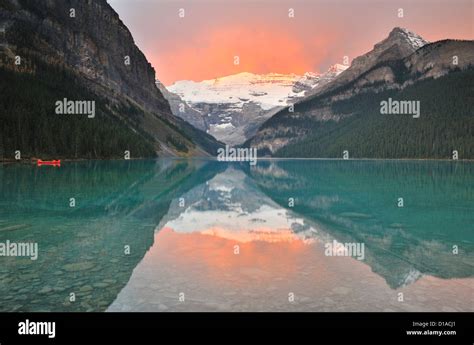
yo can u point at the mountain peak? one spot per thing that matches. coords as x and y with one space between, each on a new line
399 44
399 30
402 34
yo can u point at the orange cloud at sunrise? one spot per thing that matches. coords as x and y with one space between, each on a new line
256 52
202 43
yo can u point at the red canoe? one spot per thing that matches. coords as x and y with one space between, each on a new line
55 163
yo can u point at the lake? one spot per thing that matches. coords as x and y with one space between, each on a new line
202 235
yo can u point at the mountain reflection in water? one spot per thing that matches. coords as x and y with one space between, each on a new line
280 250
213 236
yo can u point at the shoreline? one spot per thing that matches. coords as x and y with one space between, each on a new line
33 161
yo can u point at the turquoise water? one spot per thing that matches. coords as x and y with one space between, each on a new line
198 235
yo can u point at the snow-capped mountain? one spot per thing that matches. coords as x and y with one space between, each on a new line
231 108
415 40
267 90
400 43
311 82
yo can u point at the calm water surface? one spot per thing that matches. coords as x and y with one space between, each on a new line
197 235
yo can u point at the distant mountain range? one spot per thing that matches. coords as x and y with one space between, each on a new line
231 108
48 53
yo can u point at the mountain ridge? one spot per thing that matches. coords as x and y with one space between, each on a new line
388 66
92 46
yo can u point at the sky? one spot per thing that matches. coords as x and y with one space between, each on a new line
203 41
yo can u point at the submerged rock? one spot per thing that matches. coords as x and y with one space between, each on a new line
80 266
